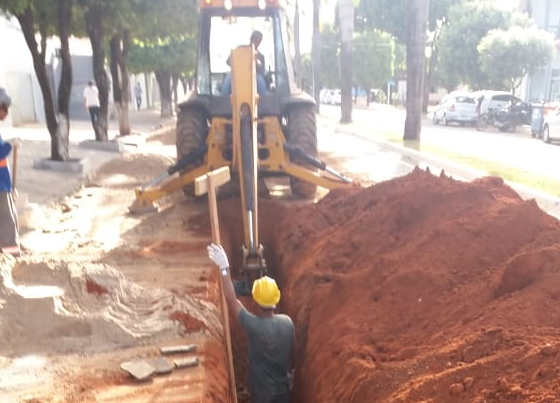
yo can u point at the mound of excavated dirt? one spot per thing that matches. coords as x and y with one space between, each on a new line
421 289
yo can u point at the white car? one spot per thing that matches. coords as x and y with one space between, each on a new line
336 97
456 107
325 96
551 126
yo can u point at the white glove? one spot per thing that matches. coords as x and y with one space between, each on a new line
217 254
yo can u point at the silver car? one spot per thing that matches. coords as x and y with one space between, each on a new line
551 126
456 107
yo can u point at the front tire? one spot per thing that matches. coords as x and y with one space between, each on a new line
445 121
302 132
190 135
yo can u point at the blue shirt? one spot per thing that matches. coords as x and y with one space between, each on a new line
271 340
5 177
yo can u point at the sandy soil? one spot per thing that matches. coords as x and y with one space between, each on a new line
98 286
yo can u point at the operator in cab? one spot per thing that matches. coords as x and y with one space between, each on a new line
255 41
271 336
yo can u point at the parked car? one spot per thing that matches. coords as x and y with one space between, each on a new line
336 97
499 101
457 107
551 126
325 96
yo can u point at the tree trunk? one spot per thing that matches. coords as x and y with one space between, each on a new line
346 18
316 55
119 46
96 32
65 86
297 56
27 22
417 17
174 87
164 82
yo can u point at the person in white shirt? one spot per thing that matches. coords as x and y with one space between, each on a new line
91 97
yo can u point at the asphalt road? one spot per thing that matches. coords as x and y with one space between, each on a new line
370 156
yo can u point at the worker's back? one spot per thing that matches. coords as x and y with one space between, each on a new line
270 345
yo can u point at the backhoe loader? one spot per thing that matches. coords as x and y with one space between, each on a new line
256 135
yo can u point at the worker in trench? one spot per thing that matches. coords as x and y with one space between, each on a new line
271 336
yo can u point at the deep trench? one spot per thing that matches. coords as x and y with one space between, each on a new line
231 227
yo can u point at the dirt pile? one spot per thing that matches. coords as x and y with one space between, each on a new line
421 289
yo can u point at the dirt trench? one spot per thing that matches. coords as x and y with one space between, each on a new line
418 289
421 289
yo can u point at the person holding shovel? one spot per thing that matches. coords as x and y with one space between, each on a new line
9 234
271 336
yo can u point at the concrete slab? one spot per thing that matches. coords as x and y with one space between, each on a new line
111 145
186 362
73 165
161 365
141 370
182 348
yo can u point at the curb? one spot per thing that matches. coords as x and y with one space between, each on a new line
546 202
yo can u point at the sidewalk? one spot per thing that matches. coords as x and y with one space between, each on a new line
44 186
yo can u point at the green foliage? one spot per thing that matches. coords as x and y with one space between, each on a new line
174 55
458 59
330 58
164 18
390 15
507 56
44 12
373 59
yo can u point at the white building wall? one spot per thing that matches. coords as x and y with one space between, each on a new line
18 76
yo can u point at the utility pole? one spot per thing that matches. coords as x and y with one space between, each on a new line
416 22
316 54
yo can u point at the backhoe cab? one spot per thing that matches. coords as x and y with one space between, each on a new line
256 135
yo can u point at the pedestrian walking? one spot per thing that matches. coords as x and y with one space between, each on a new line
271 336
9 231
138 95
91 98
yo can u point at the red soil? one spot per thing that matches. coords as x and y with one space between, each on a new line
419 289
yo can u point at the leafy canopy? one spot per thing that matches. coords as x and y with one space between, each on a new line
506 56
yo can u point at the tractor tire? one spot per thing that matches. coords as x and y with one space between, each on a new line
302 132
190 135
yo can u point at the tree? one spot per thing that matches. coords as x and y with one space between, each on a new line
468 23
329 58
119 46
375 63
507 56
165 43
346 21
169 59
40 19
95 14
416 18
316 54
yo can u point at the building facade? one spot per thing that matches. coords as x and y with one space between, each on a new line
544 85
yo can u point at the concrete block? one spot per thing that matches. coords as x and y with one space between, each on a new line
73 165
110 146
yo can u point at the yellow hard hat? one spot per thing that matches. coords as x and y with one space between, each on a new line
265 292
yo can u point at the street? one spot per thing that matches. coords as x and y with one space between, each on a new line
376 133
517 149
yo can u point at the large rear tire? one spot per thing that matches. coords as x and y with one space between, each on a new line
302 132
190 135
